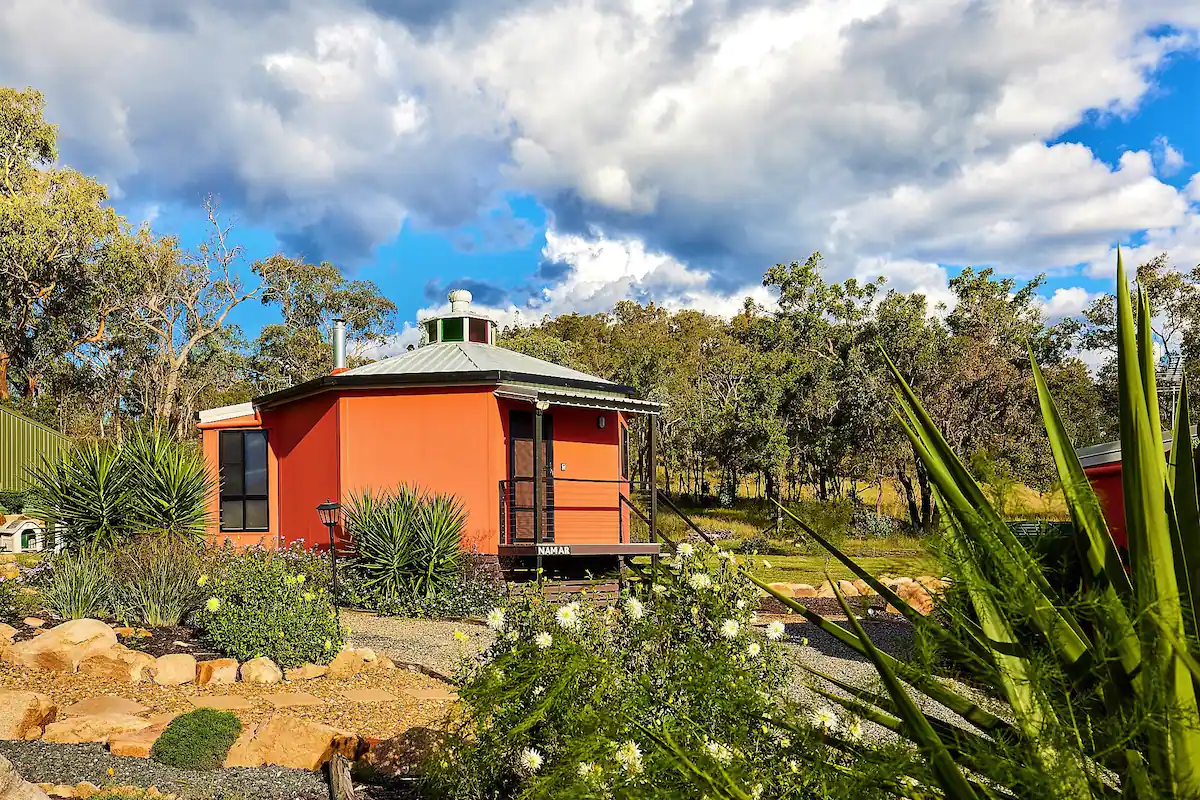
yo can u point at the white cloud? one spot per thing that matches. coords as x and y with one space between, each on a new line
1067 302
706 139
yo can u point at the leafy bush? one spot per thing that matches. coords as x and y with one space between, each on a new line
583 702
479 587
197 740
102 493
78 584
870 525
257 604
12 501
18 599
156 580
408 542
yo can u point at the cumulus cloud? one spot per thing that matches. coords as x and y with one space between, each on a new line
679 145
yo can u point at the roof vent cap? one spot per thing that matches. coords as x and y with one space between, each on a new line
460 300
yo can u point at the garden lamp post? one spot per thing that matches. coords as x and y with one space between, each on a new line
330 512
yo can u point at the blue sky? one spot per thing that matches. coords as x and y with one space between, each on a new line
561 156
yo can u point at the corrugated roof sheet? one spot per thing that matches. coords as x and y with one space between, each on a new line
469 357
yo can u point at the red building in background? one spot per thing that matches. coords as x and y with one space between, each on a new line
504 432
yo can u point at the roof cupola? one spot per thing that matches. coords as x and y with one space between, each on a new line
461 324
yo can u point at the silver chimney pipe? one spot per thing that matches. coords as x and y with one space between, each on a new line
339 344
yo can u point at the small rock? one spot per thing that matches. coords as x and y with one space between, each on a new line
847 588
261 670
106 704
306 672
84 790
23 715
62 647
803 590
347 664
366 654
7 631
181 644
118 664
57 790
217 671
123 632
293 742
93 728
137 744
34 622
916 596
173 670
784 589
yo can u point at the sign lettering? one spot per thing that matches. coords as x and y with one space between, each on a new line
554 549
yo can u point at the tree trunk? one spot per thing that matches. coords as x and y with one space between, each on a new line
914 511
4 393
341 787
927 506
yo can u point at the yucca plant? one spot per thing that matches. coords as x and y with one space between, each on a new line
406 540
171 485
1092 698
84 495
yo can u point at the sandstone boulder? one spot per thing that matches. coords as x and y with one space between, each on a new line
118 664
306 672
286 741
864 589
847 588
62 647
916 596
34 622
784 589
220 670
346 664
803 590
23 715
7 631
261 670
173 670
825 590
137 744
14 787
93 728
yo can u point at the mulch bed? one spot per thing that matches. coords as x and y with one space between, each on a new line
161 642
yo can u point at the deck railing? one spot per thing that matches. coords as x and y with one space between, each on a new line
575 511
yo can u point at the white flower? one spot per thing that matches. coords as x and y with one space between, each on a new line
512 636
495 619
659 589
568 616
633 607
792 765
538 691
700 581
741 605
753 650
756 792
630 757
543 640
588 770
212 604
855 730
825 718
685 550
775 631
531 760
718 752
730 628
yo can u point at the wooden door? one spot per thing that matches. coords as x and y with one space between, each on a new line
520 477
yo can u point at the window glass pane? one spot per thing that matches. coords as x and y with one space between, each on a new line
231 515
256 462
256 515
232 483
231 447
452 329
431 330
479 330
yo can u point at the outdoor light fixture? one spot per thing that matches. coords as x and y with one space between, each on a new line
330 512
601 421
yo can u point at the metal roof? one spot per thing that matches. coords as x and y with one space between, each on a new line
1110 452
470 357
578 399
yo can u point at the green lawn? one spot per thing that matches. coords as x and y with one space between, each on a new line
811 569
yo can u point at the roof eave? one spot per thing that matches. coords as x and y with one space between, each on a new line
480 377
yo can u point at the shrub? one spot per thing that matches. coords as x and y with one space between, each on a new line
583 702
407 541
18 599
78 584
258 605
197 740
156 580
12 501
102 493
874 526
479 588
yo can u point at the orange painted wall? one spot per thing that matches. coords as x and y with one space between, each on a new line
443 439
304 437
210 442
585 512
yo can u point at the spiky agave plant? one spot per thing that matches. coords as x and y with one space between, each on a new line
84 495
170 485
1095 698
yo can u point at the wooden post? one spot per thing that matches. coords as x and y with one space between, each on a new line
653 459
341 787
537 486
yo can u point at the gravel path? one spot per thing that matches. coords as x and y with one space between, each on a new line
430 643
42 762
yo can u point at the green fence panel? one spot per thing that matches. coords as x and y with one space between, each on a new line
23 443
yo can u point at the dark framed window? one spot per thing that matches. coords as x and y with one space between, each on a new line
478 330
243 461
452 329
431 330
